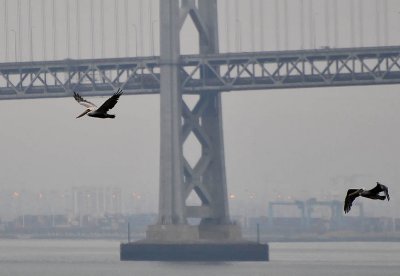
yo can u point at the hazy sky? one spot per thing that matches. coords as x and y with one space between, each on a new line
300 143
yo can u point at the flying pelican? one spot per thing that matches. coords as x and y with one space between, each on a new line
93 111
352 194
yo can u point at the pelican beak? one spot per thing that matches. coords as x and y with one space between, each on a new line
84 113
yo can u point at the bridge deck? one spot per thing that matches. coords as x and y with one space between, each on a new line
203 73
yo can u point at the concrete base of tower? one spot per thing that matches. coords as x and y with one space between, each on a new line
172 233
179 233
194 243
224 232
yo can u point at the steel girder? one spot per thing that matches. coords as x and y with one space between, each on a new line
90 77
223 72
292 69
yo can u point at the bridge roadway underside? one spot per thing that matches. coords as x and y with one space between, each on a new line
203 73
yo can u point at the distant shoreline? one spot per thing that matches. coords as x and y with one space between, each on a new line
330 237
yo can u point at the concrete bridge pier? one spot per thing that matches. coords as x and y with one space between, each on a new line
172 237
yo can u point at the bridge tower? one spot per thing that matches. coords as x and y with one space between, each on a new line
178 179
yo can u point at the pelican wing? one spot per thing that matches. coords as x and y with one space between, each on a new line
352 194
84 113
110 103
377 189
84 102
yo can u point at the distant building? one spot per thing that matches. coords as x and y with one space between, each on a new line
96 201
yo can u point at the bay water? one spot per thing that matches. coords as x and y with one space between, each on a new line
32 257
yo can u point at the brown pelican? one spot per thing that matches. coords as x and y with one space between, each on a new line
352 194
93 111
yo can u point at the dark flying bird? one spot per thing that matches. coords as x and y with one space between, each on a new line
101 112
352 194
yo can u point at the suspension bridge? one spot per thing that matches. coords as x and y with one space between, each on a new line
88 59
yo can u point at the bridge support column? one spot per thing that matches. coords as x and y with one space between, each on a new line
171 180
214 176
178 179
171 222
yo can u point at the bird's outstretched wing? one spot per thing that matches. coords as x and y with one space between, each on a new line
352 194
111 102
83 102
380 188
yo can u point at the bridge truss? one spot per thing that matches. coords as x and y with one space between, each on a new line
203 73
